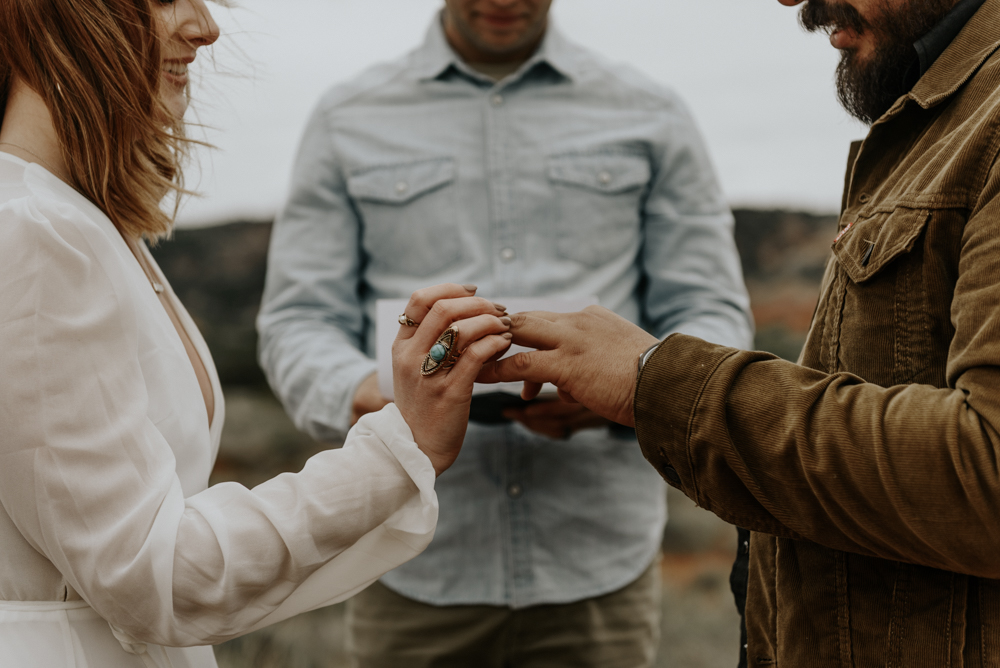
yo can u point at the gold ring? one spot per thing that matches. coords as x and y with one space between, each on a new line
406 322
443 354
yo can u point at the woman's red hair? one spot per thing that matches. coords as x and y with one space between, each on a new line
96 63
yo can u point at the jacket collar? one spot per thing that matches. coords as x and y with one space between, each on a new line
977 41
435 56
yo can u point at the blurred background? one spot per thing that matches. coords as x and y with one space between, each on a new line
762 93
760 88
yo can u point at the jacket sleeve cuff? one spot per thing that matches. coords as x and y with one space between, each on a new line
667 393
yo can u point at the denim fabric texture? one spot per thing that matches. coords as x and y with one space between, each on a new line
571 177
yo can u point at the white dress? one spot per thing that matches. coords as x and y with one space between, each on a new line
114 552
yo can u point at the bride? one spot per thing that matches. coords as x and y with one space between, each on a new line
114 552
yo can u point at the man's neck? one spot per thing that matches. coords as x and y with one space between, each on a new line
933 44
29 133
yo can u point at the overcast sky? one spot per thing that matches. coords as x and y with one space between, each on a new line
761 89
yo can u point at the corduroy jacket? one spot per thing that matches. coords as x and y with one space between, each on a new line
870 471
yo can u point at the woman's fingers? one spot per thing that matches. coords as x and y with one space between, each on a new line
446 312
479 352
470 330
423 300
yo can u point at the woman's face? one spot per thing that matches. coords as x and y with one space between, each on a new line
184 26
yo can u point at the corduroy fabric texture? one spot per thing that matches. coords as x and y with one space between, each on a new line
870 471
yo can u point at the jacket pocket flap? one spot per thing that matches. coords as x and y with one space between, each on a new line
872 243
398 184
603 172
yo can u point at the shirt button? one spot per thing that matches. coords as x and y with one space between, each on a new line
745 547
670 473
402 187
497 100
508 254
514 491
604 178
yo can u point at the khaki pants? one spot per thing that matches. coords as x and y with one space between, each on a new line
617 630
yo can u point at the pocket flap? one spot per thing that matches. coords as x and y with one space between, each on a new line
870 244
398 184
603 172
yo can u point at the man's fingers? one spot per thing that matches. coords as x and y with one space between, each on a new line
537 366
530 390
566 397
548 409
544 315
537 330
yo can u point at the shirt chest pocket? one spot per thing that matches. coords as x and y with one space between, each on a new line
598 200
409 217
884 328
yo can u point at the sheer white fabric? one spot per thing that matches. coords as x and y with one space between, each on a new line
111 544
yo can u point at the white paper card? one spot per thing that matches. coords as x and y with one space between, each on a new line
387 326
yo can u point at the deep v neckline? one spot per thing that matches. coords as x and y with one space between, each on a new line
138 249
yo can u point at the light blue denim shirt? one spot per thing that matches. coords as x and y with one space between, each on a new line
572 177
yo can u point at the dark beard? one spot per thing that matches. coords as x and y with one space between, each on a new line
867 89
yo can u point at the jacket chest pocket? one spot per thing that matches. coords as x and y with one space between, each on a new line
409 217
598 199
882 330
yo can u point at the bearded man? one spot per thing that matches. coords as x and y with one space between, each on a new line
869 472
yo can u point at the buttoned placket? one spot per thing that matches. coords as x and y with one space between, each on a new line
506 253
508 264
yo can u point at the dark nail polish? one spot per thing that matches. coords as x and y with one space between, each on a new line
499 307
470 287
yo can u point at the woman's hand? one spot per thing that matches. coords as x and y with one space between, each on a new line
436 406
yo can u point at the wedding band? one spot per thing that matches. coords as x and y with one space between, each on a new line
443 354
406 322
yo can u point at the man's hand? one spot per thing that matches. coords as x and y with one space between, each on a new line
556 419
591 356
367 399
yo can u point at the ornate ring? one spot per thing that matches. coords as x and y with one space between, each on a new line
406 322
443 354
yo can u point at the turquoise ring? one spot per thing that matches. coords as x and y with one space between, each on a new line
443 354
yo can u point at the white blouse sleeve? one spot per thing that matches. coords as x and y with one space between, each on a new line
91 484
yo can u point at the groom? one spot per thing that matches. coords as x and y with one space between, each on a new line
870 471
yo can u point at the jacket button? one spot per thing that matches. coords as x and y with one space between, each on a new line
864 198
670 473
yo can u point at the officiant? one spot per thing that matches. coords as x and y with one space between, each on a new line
502 154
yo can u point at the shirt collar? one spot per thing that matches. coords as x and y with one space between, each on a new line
932 45
435 56
976 41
